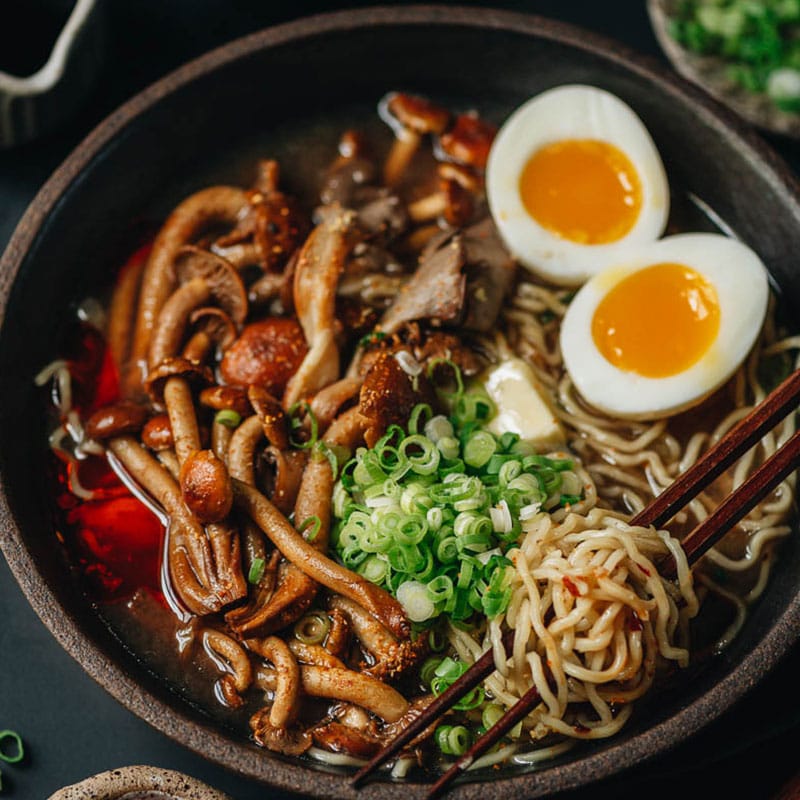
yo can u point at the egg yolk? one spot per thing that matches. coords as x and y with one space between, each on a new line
657 322
583 190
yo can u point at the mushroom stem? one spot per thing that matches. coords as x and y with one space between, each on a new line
347 685
182 417
403 149
316 488
173 319
217 204
429 207
233 653
121 312
287 680
242 450
221 436
316 565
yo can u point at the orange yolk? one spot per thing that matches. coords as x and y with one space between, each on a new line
583 190
658 321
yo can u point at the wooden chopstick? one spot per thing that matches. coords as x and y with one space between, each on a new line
736 442
778 404
481 669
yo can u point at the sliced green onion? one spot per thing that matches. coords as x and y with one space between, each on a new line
312 525
437 641
421 411
256 572
413 596
313 627
16 739
228 417
491 714
295 414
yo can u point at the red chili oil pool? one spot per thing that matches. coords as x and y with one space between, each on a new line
113 539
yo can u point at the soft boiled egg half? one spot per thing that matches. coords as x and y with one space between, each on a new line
658 334
574 182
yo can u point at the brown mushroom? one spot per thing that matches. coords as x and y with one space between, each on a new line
346 685
315 564
352 170
205 575
170 383
468 141
319 264
328 402
121 309
392 657
157 433
454 200
211 326
223 398
292 741
206 487
116 420
285 704
389 393
411 118
202 275
213 206
272 416
224 649
266 354
339 738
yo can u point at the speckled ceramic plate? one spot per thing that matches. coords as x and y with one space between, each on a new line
139 783
159 146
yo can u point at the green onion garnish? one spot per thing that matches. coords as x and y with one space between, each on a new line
313 627
312 525
427 513
18 750
228 417
257 569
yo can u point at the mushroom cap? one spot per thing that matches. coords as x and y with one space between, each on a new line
175 368
216 324
221 398
292 741
157 433
115 420
469 140
222 278
416 113
206 487
272 416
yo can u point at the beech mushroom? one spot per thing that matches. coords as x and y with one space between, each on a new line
468 141
170 383
454 200
202 276
411 118
319 265
213 206
116 420
157 433
266 354
211 326
206 487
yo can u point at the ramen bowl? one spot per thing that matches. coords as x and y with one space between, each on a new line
282 88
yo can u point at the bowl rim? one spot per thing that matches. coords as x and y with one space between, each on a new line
202 737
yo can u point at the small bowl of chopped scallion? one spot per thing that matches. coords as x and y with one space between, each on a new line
744 52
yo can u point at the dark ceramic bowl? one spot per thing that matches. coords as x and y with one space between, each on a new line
168 140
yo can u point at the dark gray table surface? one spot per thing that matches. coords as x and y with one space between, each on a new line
72 728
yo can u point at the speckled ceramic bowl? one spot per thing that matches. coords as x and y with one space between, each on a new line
139 783
158 147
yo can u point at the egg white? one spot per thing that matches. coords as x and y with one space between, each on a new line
740 280
566 113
